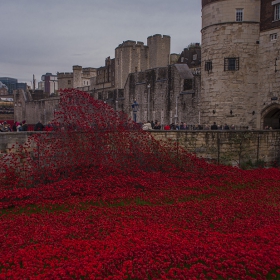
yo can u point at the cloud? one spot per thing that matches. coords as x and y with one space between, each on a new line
51 36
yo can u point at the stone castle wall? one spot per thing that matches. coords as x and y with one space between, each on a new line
230 148
34 110
79 78
267 15
225 147
166 85
230 96
269 76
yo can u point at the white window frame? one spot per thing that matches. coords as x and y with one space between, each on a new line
239 14
273 36
277 11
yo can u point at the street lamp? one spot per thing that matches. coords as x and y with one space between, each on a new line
148 98
176 108
117 105
135 107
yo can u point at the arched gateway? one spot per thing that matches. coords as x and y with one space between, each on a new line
271 116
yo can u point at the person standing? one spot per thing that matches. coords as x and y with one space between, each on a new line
184 126
19 127
39 126
226 127
166 127
14 128
6 127
157 125
49 127
147 126
24 126
214 126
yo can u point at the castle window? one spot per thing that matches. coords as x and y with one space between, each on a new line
110 95
120 93
277 12
273 36
188 84
239 15
208 65
231 64
69 82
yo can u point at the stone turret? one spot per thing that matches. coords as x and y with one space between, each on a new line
159 50
65 80
130 57
77 76
230 37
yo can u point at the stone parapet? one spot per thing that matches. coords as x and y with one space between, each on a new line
228 147
225 147
10 141
225 11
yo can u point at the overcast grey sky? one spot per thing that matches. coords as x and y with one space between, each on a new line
52 36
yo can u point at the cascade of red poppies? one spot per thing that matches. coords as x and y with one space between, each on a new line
98 198
87 136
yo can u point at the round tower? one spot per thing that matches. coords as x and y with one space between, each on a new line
159 50
229 51
77 76
130 57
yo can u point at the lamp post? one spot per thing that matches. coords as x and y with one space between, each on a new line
148 99
117 105
176 109
135 107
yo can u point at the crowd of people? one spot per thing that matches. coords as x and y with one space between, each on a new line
183 126
5 127
23 126
150 125
16 127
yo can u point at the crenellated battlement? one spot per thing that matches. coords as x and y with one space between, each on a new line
159 50
158 36
61 75
77 67
131 43
89 69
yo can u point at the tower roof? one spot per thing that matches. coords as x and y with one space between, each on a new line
184 71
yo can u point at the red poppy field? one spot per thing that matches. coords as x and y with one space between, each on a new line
116 204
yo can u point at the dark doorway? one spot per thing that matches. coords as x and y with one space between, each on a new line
271 117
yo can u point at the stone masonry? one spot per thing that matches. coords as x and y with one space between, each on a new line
79 78
166 85
248 94
132 56
224 147
230 96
